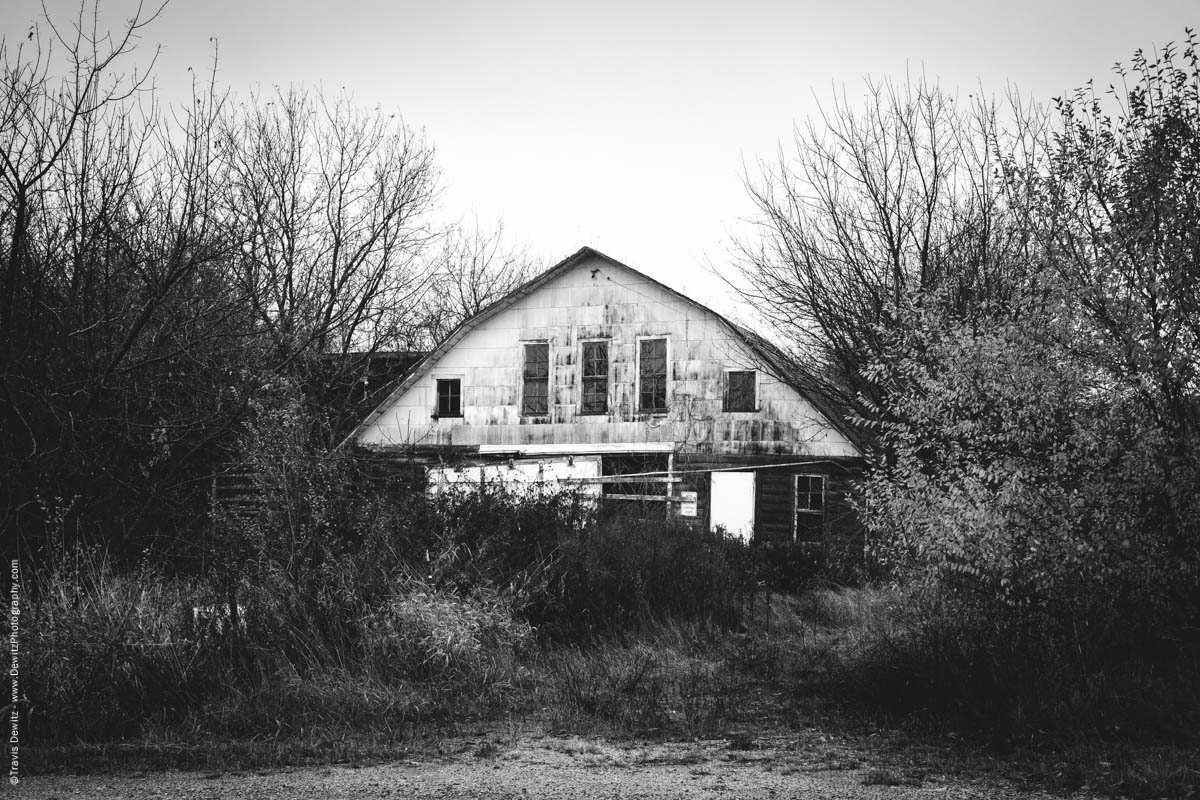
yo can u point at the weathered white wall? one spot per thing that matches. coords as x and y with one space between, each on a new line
599 300
532 475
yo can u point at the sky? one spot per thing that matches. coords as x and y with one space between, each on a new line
628 126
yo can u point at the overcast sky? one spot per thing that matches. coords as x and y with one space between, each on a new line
626 125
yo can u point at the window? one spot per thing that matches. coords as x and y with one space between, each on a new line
652 375
449 397
535 391
810 507
740 391
643 469
595 378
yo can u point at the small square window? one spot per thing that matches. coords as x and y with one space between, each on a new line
740 391
449 397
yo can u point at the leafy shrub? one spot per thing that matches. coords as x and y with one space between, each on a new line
1028 504
1036 484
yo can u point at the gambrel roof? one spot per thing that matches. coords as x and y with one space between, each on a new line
773 359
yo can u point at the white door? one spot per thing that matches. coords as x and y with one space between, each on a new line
732 503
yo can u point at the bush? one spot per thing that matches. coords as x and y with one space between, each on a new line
110 652
459 642
624 572
1034 511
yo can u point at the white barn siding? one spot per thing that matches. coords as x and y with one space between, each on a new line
598 299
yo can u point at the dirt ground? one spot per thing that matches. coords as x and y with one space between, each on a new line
537 767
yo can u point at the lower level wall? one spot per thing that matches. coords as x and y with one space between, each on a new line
769 484
773 500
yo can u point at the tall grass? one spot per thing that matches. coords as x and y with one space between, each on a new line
116 656
433 611
109 652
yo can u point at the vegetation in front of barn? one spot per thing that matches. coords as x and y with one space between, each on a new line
369 618
620 628
358 607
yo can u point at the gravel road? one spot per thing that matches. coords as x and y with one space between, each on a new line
540 768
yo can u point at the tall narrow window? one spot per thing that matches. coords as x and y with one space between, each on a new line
535 391
739 391
449 397
810 507
652 375
595 378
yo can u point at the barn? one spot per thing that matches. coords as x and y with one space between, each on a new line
595 376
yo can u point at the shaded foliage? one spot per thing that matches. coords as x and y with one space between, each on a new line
162 274
1036 477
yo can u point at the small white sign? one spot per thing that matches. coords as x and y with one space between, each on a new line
687 508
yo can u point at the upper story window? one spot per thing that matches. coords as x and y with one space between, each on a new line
810 507
535 389
595 378
652 375
740 389
449 397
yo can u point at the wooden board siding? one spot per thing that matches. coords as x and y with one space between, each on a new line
773 506
599 299
774 494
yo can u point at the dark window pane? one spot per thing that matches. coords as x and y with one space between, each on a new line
809 527
636 465
595 377
739 391
595 359
654 356
535 399
653 396
537 360
535 390
810 504
652 369
595 395
449 398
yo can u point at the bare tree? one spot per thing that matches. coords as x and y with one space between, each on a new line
473 269
119 330
40 117
330 203
163 274
872 207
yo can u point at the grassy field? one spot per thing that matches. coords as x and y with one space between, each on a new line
530 617
440 668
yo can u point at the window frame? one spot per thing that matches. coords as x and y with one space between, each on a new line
437 397
797 511
525 345
729 371
584 378
666 374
